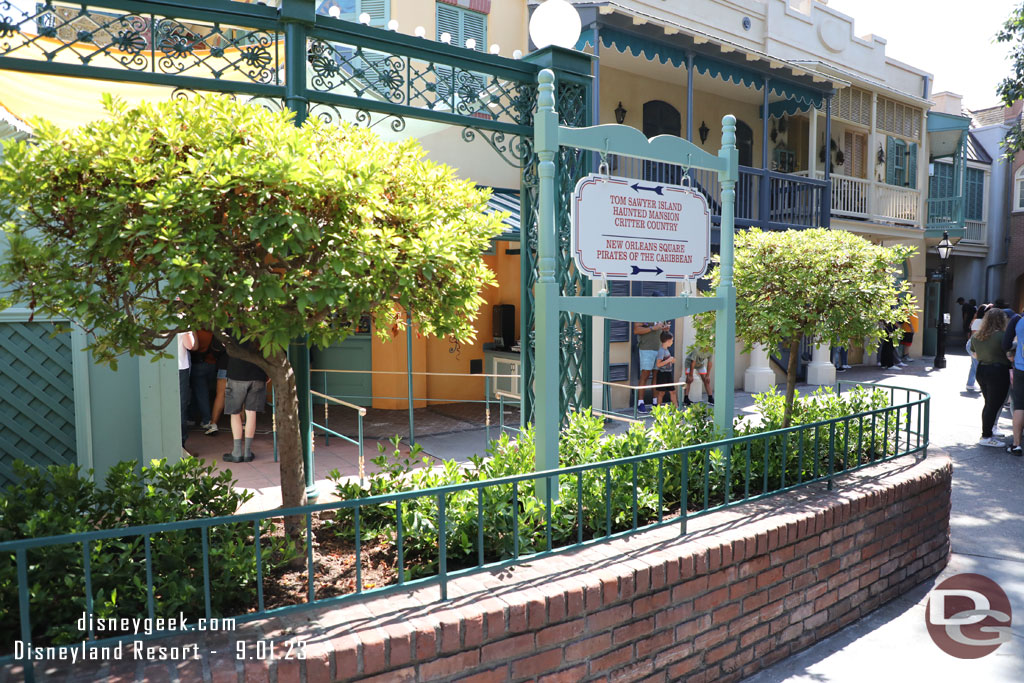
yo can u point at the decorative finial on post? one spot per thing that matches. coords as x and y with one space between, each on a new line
728 131
546 90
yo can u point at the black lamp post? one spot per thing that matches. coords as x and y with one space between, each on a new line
945 249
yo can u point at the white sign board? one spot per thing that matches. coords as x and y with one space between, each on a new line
629 229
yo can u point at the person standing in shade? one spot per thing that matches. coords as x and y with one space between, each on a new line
648 342
974 326
986 346
1015 331
697 360
666 365
246 390
186 340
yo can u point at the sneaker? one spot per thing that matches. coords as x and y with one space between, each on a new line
711 400
998 434
971 388
841 369
846 367
991 441
230 457
687 401
209 428
1014 450
901 365
641 408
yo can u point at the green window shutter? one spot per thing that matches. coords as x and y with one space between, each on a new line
911 174
474 25
975 195
890 160
379 11
448 21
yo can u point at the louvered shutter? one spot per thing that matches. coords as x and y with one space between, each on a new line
377 9
448 21
911 174
474 25
890 160
461 25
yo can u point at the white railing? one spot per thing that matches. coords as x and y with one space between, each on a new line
897 204
852 197
977 231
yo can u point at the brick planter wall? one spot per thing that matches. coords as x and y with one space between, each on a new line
743 589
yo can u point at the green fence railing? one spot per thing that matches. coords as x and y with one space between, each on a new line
596 502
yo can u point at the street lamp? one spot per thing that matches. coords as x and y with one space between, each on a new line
945 249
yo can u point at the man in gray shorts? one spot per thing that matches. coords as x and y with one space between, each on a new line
246 390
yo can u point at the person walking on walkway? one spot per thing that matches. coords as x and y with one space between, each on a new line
1012 338
974 326
986 347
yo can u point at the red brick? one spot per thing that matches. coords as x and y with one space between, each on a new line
256 670
791 632
499 675
574 602
537 664
446 667
426 643
611 660
679 670
450 641
754 566
516 618
632 672
472 629
588 647
556 608
720 652
693 627
690 589
769 577
633 631
721 578
650 603
560 633
373 646
711 638
725 614
673 615
573 675
508 648
655 643
607 618
711 600
754 635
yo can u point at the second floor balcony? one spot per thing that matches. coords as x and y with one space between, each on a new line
868 200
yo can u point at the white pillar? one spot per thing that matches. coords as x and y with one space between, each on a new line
759 377
821 371
812 143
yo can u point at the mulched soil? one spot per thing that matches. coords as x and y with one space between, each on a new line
334 564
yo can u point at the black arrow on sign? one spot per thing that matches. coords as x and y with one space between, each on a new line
638 269
656 189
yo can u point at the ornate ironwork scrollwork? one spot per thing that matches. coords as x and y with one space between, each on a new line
512 152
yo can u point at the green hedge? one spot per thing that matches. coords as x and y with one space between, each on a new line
59 500
583 441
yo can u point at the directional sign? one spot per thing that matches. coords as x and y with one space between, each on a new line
626 229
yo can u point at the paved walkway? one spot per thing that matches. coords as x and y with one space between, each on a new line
892 643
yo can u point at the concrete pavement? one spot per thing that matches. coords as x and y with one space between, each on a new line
892 644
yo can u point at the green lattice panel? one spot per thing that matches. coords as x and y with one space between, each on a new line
37 405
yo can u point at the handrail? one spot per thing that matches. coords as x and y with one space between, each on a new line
893 430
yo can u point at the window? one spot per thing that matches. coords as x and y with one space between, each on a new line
349 10
1018 193
898 119
901 163
940 184
974 195
854 146
461 25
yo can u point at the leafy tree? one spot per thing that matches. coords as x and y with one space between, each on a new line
225 216
1012 88
817 283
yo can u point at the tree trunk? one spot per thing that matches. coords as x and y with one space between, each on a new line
794 363
289 442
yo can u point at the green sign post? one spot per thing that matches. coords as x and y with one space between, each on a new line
623 140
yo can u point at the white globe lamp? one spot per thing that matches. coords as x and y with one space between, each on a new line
556 22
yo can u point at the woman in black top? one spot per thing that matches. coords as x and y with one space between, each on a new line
993 371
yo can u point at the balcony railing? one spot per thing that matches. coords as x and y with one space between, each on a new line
977 231
945 212
765 199
864 199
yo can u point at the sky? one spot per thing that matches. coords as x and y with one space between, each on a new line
950 39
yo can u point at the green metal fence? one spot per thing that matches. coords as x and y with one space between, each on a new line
689 482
